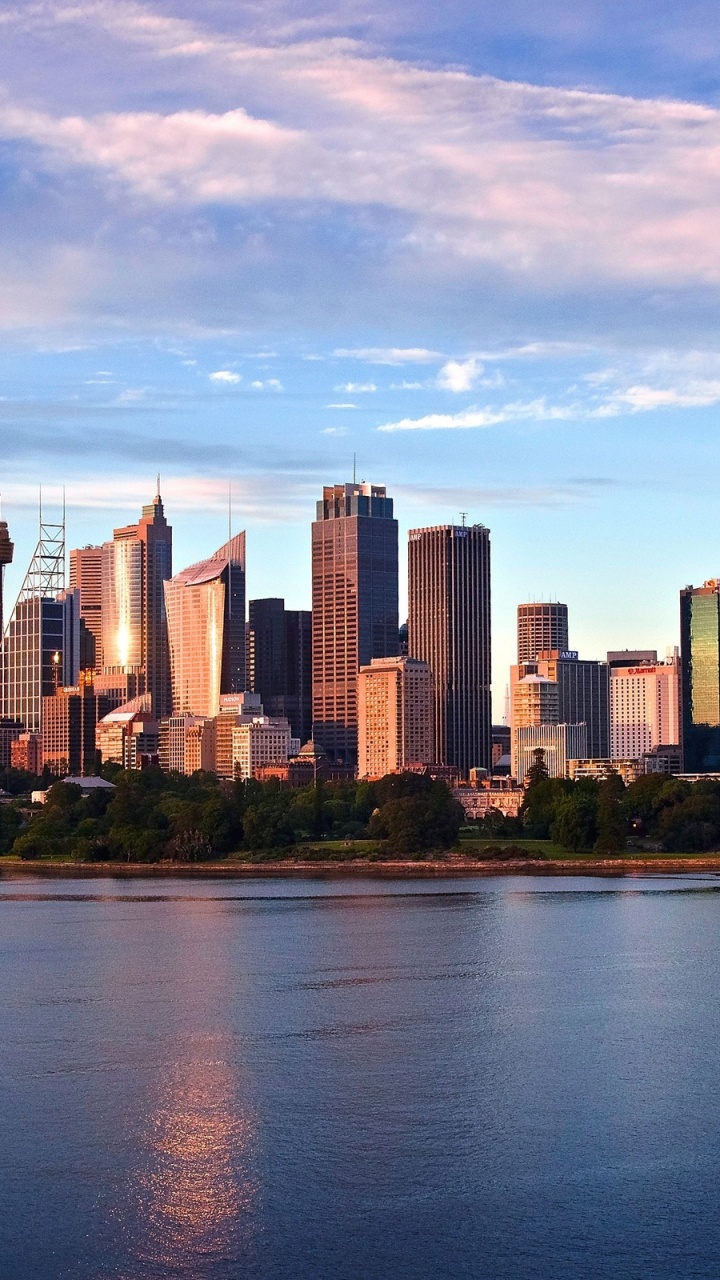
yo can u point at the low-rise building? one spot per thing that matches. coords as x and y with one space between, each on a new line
26 753
188 744
258 741
129 735
628 770
498 795
559 743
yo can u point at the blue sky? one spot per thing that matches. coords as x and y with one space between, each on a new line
476 246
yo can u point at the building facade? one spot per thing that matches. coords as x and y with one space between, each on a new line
700 678
560 743
449 629
135 567
68 729
541 627
187 744
354 605
644 708
85 576
205 607
257 742
396 706
280 662
26 753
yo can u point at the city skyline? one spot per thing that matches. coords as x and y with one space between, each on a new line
504 630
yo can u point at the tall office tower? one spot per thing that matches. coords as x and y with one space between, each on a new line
354 605
135 566
560 743
6 554
280 662
700 676
644 708
34 641
583 695
395 705
449 628
206 630
541 626
86 577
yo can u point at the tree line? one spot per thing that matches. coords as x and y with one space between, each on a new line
152 816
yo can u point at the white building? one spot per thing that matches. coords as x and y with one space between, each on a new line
644 707
190 744
560 743
260 740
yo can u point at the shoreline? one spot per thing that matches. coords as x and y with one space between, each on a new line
456 867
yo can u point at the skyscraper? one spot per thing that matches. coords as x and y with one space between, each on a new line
280 662
206 630
34 643
644 708
354 605
449 628
541 626
700 676
136 564
86 577
6 554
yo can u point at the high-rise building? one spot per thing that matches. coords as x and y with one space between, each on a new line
644 708
206 630
129 735
35 661
190 744
86 577
541 626
26 753
449 628
395 704
354 605
6 554
280 662
583 695
136 565
700 679
10 731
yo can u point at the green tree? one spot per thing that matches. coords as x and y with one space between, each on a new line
611 820
575 822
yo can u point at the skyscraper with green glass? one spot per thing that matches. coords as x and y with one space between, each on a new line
700 676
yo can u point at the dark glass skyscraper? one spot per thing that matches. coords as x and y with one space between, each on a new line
449 628
354 605
280 662
700 676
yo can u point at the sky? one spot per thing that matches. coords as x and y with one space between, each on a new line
475 246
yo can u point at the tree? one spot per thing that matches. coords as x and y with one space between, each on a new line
575 822
611 821
538 771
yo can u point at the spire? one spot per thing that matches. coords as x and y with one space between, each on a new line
157 491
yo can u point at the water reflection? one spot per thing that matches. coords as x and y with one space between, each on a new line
196 1196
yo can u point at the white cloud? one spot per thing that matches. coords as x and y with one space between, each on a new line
459 375
334 431
341 406
390 355
356 388
469 418
270 384
224 375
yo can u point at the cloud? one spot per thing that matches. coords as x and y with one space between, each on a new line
459 375
270 384
334 431
341 406
224 375
473 499
356 388
469 418
390 355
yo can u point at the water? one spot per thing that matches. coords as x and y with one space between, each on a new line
512 1079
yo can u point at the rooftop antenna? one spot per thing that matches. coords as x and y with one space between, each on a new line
506 713
158 484
229 510
463 516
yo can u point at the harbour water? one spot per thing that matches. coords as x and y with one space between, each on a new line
512 1079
